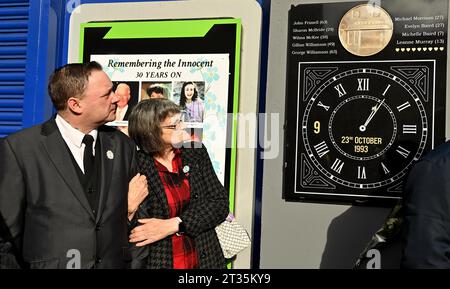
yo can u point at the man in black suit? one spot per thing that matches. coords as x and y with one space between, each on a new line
64 183
426 238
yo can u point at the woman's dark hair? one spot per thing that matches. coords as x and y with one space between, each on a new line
183 96
144 123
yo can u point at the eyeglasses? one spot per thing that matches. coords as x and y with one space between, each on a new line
174 126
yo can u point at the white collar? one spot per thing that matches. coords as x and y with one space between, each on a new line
72 134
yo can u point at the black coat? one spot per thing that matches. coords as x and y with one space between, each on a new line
426 238
45 207
208 207
9 258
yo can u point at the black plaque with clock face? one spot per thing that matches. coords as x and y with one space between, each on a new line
365 98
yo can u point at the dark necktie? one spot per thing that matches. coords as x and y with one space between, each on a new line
88 157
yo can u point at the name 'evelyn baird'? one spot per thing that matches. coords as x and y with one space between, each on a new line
160 64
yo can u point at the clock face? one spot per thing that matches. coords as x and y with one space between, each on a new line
363 128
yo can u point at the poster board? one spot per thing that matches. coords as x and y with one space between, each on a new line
201 54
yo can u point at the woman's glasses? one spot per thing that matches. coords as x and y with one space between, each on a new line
174 126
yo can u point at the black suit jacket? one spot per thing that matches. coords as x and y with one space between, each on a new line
9 257
426 234
208 207
45 207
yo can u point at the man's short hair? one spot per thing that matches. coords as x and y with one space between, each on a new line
154 89
69 81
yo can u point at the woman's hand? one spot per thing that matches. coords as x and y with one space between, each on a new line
153 230
137 192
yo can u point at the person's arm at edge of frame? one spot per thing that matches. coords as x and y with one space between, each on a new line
426 236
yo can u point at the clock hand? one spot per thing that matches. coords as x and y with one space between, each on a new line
374 111
371 115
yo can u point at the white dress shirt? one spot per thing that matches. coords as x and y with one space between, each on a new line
120 112
74 139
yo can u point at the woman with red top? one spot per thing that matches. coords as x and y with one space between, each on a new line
174 226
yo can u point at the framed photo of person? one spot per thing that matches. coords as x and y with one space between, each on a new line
152 89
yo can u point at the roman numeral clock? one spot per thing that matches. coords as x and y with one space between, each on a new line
356 124
362 127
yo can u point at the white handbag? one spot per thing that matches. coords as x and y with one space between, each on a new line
233 237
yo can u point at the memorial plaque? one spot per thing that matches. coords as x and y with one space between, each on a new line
366 89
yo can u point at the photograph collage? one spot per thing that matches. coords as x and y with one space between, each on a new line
189 95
